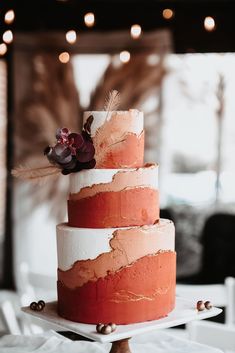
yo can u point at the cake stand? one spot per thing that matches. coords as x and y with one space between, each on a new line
183 313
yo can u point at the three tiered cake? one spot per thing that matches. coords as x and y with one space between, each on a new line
116 258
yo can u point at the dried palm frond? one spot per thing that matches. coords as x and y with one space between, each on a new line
47 100
36 175
134 88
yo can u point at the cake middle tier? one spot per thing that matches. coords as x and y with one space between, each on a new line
108 198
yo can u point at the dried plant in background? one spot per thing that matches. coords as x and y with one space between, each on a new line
37 175
50 100
135 80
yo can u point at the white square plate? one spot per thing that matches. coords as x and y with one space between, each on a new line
185 311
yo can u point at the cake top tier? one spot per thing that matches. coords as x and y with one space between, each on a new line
118 138
131 119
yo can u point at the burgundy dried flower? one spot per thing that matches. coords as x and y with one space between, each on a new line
72 152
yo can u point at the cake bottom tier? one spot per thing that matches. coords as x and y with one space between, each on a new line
141 291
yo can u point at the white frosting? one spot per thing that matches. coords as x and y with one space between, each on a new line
90 177
74 244
147 176
136 127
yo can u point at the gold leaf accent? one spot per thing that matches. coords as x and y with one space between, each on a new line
37 175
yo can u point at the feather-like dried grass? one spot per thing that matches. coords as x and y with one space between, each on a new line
37 175
112 102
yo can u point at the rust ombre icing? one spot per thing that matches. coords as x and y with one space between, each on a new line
124 275
107 198
116 258
118 138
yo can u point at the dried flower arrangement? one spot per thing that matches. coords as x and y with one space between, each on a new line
72 151
50 99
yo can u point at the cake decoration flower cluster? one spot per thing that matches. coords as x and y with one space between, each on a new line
72 151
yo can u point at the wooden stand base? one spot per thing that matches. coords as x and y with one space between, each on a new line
121 346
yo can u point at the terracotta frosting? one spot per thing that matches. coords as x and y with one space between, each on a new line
118 138
130 207
129 199
126 246
139 292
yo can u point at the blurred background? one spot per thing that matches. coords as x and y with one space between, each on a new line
172 59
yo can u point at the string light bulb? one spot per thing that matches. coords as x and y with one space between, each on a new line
7 36
3 49
89 19
9 16
125 56
71 36
64 57
168 14
209 24
136 31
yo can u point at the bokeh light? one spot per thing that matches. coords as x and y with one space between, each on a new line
136 31
209 24
168 14
125 56
71 36
64 57
89 19
9 17
7 36
3 49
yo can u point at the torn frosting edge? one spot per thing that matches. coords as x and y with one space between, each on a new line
146 175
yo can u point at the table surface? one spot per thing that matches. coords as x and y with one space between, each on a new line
156 341
185 311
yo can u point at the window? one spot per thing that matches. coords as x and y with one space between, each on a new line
199 129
